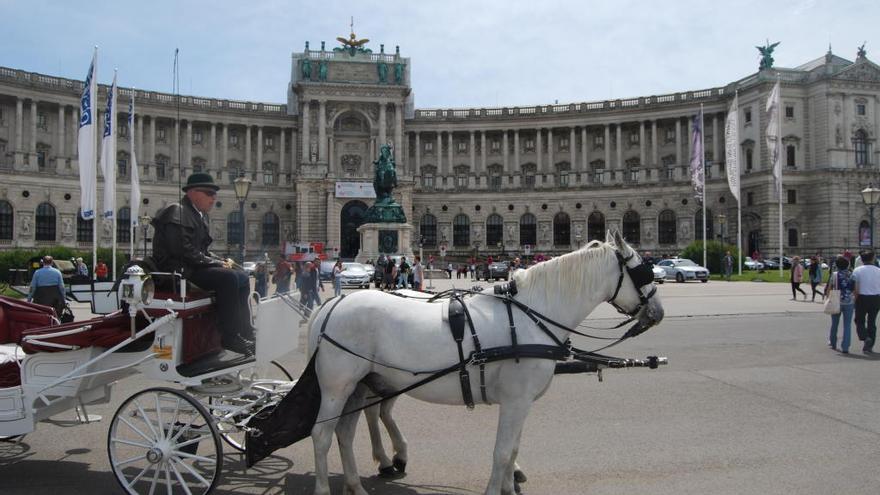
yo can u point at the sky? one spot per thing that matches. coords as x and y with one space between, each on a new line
463 53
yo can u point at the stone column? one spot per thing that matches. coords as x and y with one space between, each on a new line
139 140
450 144
439 154
418 170
152 158
224 149
59 147
189 144
175 152
259 166
608 147
688 146
212 148
399 153
678 141
482 151
654 161
331 153
19 124
506 151
471 150
322 131
619 147
642 151
306 130
32 146
585 159
551 161
248 165
516 162
293 154
382 124
281 147
572 149
715 140
539 151
372 149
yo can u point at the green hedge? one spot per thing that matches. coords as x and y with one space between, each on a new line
18 258
715 252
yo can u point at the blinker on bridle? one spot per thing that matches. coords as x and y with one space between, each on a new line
641 275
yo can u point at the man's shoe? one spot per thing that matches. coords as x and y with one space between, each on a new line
240 345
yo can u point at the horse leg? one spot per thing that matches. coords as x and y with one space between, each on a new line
332 402
379 455
511 418
345 430
398 441
519 476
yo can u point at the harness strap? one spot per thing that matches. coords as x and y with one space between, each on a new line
477 348
512 326
457 316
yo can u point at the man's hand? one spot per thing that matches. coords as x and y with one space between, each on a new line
228 263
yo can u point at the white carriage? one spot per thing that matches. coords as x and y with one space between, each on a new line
167 439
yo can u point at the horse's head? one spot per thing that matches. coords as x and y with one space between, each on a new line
635 293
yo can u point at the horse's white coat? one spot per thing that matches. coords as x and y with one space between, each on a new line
411 335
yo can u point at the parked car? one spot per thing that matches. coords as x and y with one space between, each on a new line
682 269
249 267
326 270
354 275
659 274
497 270
823 265
66 267
773 263
751 264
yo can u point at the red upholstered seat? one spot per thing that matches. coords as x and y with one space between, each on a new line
17 316
106 331
10 374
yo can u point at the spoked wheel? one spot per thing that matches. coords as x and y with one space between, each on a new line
162 440
224 408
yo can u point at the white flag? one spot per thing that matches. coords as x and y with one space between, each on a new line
731 146
772 135
87 142
108 154
135 178
697 159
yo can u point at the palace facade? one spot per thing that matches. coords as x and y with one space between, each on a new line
505 180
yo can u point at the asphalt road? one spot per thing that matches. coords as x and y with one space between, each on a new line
752 402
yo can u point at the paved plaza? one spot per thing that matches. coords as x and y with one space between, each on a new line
752 402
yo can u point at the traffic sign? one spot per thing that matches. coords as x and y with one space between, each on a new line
527 249
443 250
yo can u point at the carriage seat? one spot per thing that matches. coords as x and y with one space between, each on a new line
18 315
10 370
106 331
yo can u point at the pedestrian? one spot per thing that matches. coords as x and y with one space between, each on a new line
47 286
81 268
337 278
311 283
101 271
867 297
418 274
728 266
261 280
282 275
388 277
473 269
797 277
403 273
816 276
449 270
297 275
842 281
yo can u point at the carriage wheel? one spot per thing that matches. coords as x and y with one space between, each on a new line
162 440
230 434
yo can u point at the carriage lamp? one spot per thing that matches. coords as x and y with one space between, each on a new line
871 196
137 290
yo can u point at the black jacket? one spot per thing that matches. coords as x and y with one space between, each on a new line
181 240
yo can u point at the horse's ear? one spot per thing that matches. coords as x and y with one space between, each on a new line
618 239
609 237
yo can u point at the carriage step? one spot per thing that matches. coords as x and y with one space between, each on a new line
222 360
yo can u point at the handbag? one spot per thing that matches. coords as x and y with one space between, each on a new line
832 298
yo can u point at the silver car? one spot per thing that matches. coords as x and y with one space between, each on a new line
682 269
354 275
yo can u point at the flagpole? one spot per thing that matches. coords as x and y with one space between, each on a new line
703 164
94 165
779 163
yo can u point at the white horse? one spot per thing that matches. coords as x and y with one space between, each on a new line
396 334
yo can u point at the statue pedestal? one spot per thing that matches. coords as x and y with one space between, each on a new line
384 238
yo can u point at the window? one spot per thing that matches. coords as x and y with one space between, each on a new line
793 237
270 230
528 232
123 224
750 199
634 138
6 220
670 135
861 109
45 222
462 147
668 161
561 229
41 160
236 169
698 225
789 112
792 196
747 115
268 177
563 178
494 230
161 167
495 182
428 230
122 166
529 144
596 227
122 129
563 144
41 121
461 231
233 139
197 136
790 156
631 227
496 145
860 145
666 228
160 134
598 141
749 159
461 181
529 180
83 228
234 230
428 181
199 165
429 147
269 143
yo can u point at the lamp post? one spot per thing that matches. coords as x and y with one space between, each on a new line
242 187
721 219
871 196
145 224
804 243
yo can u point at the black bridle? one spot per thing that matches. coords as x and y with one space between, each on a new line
640 275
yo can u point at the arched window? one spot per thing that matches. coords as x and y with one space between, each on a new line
698 225
528 232
596 227
45 222
6 220
83 228
270 230
860 144
631 227
793 237
461 231
234 230
494 230
561 229
123 223
428 230
666 228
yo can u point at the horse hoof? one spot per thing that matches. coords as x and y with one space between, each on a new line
399 465
516 487
519 476
387 472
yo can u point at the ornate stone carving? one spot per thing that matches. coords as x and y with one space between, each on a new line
24 225
67 227
217 230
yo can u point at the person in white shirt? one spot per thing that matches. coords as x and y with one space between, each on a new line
418 274
867 297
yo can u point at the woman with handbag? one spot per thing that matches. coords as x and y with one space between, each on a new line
839 303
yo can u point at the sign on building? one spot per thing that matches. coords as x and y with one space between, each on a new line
355 190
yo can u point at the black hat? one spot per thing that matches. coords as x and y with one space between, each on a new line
200 179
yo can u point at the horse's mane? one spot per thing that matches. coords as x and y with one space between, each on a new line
565 276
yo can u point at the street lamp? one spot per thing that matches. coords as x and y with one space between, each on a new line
871 196
242 187
721 219
145 224
804 243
